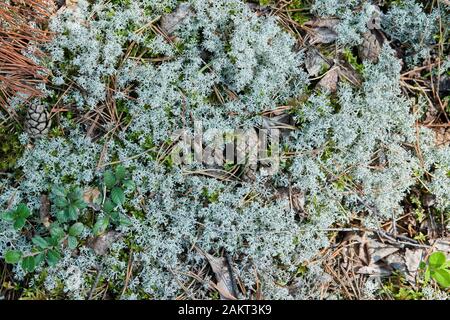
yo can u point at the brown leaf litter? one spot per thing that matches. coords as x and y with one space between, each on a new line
225 285
368 253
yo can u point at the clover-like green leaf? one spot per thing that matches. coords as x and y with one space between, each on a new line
53 257
72 242
442 276
40 242
61 216
23 211
19 223
76 229
101 225
129 185
61 202
117 195
124 220
58 191
436 260
108 206
57 232
39 258
8 216
121 173
72 212
109 179
28 264
13 256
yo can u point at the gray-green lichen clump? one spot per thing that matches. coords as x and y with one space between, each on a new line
348 155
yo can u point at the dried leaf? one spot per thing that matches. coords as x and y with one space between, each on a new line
323 35
370 48
170 22
443 245
442 137
91 195
378 251
314 62
329 23
375 270
322 30
396 261
330 80
413 257
224 279
347 72
102 243
44 210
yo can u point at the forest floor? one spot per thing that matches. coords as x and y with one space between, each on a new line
401 259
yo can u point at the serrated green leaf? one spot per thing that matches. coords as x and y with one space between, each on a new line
39 258
13 256
124 220
114 216
109 179
57 232
28 264
54 241
121 172
61 216
117 195
8 216
19 223
80 204
40 242
100 226
442 277
108 206
61 202
72 212
53 257
76 229
75 194
58 191
72 242
436 260
129 185
23 211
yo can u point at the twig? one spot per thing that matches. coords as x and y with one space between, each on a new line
94 285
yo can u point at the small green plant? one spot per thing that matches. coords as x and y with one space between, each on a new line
298 12
18 216
397 287
69 203
46 249
10 148
438 269
353 60
265 2
116 183
419 211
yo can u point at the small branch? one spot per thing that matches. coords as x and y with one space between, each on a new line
94 285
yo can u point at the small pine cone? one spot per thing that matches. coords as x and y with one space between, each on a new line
37 121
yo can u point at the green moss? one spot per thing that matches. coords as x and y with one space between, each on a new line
352 59
10 148
265 2
298 11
